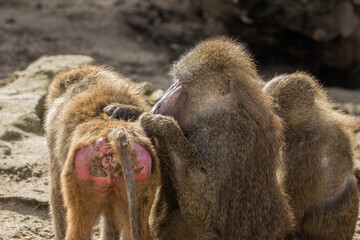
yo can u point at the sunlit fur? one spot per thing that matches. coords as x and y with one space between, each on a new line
223 168
74 119
318 157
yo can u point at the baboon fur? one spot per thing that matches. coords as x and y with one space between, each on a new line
75 119
318 158
223 155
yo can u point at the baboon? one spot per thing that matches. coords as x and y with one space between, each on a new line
220 155
98 166
318 158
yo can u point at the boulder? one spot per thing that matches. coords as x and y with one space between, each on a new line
5 150
9 135
30 123
22 144
346 18
155 96
30 85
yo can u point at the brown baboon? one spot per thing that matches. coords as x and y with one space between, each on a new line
98 166
221 168
318 158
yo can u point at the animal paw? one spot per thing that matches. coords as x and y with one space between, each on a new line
158 125
122 112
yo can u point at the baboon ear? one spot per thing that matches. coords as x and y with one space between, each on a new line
62 86
225 86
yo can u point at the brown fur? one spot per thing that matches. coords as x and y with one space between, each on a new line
318 158
75 119
219 173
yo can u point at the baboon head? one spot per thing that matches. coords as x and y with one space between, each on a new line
295 96
209 80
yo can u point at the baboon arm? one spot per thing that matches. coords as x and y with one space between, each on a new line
183 162
183 153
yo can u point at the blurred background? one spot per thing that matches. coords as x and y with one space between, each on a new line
140 38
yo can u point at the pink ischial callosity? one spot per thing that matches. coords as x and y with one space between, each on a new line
142 164
89 156
96 163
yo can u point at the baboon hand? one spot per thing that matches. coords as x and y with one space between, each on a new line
122 112
156 125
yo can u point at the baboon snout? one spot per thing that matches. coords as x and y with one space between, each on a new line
171 98
156 109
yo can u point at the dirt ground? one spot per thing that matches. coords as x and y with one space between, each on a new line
125 35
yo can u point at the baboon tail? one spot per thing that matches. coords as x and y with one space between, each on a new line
123 151
335 219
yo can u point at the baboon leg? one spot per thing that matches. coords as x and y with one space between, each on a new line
176 223
111 222
83 211
58 210
328 221
86 170
166 130
85 187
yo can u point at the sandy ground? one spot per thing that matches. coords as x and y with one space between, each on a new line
121 34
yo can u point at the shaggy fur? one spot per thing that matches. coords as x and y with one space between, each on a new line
222 169
75 119
318 158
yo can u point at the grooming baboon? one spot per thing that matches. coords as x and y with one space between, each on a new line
222 165
318 158
96 163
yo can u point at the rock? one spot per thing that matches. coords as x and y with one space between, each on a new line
40 108
321 20
29 122
32 83
4 150
147 88
321 34
50 65
155 97
10 135
348 108
165 21
346 18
